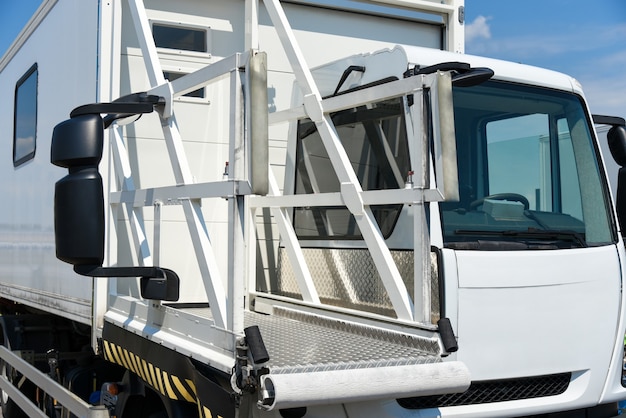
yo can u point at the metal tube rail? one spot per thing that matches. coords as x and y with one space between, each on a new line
174 195
357 98
168 195
370 197
66 398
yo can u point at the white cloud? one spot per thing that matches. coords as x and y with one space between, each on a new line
478 29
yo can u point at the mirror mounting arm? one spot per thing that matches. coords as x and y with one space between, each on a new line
77 144
156 283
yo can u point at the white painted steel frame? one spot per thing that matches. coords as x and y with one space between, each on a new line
222 303
109 49
226 303
417 195
352 195
350 186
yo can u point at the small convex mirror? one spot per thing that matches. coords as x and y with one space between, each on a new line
616 138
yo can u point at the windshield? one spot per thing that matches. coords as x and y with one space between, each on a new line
528 171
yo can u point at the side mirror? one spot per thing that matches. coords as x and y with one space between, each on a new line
78 197
79 216
616 138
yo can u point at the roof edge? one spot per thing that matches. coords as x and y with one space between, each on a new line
30 27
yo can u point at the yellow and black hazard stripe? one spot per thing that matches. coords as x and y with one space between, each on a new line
168 385
169 373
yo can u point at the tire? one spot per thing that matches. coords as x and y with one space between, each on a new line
9 408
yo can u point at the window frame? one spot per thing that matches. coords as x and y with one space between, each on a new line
19 160
183 25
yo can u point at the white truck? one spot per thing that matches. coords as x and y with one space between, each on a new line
305 208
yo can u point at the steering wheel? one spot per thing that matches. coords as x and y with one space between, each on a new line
502 196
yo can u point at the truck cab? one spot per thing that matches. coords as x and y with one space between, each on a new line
525 260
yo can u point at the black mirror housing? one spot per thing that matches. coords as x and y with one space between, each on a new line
79 218
616 138
78 197
78 142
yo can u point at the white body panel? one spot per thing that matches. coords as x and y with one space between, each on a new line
66 56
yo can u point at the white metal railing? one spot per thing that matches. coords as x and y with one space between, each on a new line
226 302
70 401
352 195
186 192
350 186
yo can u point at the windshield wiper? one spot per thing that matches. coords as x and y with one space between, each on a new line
543 234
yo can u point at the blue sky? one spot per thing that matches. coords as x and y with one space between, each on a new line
584 39
15 14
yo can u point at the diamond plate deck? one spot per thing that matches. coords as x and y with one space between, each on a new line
300 342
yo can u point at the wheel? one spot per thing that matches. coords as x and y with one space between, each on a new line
9 407
515 197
